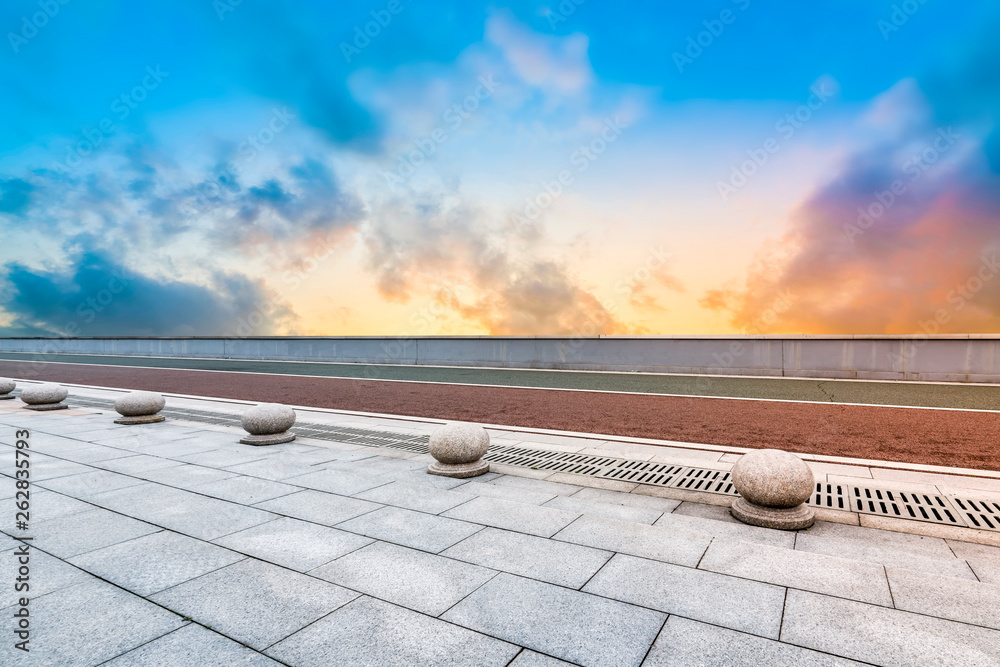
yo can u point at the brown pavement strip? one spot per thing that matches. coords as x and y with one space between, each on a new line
934 437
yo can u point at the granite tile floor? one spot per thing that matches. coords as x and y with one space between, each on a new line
172 544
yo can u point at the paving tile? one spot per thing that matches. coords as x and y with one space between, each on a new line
884 636
527 496
372 632
219 458
891 556
46 467
680 524
945 597
275 468
245 490
45 505
843 577
411 529
186 476
704 511
931 546
79 533
627 499
339 482
46 574
92 453
93 432
168 448
536 485
182 511
421 478
376 465
319 507
597 508
87 624
413 579
520 517
90 483
152 563
137 463
684 642
984 560
416 497
192 645
636 539
298 545
739 604
567 624
253 602
528 658
558 563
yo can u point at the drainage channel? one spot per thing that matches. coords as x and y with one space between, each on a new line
966 510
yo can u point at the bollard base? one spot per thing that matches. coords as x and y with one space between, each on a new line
140 419
459 470
276 439
45 407
792 518
7 397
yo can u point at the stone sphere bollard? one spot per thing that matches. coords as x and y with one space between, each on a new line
459 450
47 396
773 487
268 424
6 386
139 407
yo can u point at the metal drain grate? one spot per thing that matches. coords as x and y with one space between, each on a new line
709 481
830 496
979 513
952 510
643 472
904 505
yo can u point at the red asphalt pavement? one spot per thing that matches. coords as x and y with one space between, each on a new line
934 437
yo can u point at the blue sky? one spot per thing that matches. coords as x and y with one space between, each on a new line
574 167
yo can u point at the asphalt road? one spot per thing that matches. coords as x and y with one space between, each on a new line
974 397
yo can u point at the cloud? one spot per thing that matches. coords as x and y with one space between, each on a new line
905 238
548 62
96 296
506 285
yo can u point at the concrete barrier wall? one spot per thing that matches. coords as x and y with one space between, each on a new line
957 358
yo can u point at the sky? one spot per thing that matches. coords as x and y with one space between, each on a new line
406 167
